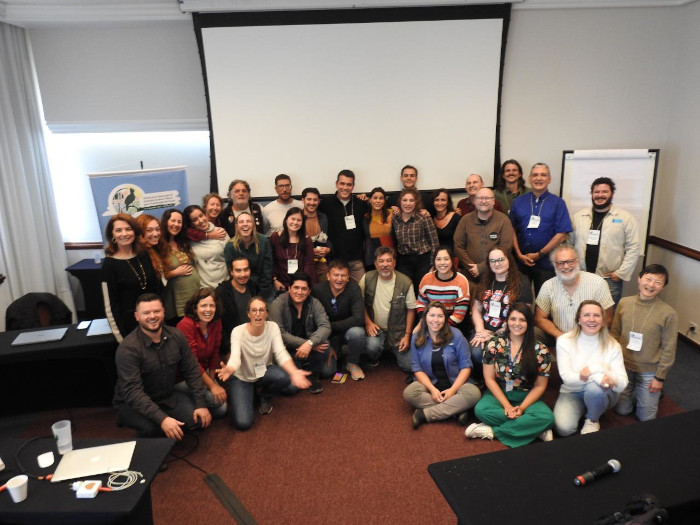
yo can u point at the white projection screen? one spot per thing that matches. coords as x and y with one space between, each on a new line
287 95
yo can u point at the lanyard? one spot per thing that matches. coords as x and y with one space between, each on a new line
532 205
511 362
634 316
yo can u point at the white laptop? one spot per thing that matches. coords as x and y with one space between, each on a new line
39 336
86 462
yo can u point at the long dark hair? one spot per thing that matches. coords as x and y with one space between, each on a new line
513 282
111 247
501 182
284 236
528 357
186 221
436 194
444 336
202 293
385 208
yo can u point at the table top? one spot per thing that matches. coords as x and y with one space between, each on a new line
84 264
535 482
56 503
75 343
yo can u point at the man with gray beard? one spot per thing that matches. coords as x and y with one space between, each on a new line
561 295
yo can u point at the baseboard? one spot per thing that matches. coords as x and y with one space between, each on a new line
689 341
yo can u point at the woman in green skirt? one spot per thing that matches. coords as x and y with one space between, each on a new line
516 371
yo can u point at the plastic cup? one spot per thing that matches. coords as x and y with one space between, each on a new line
61 431
17 487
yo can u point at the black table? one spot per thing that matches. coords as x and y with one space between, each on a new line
55 503
534 484
89 273
76 369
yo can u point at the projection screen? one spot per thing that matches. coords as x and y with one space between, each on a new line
311 93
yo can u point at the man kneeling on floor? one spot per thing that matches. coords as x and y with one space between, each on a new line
149 361
305 330
254 346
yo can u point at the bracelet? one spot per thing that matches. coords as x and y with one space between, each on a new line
539 252
659 379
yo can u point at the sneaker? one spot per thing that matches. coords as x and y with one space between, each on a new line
547 435
479 431
463 418
590 426
355 371
315 387
265 406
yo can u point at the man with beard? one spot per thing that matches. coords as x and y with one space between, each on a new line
606 238
149 361
274 212
240 201
234 294
561 295
316 226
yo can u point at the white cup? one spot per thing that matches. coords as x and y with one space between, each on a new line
61 431
17 487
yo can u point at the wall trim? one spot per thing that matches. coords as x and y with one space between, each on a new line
689 341
83 245
674 247
128 126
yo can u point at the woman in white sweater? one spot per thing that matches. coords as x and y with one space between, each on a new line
592 371
258 356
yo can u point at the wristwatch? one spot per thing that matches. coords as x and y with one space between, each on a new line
311 343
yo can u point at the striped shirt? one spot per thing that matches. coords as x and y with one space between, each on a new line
453 293
415 236
556 302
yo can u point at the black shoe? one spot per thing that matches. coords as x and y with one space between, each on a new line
374 363
315 387
463 418
418 418
410 379
265 406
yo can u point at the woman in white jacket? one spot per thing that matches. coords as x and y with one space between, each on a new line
592 371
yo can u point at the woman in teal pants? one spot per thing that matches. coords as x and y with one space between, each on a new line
516 371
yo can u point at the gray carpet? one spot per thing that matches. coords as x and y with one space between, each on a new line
683 381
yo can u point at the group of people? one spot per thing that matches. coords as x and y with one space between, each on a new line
220 308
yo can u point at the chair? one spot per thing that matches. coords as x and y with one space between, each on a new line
36 310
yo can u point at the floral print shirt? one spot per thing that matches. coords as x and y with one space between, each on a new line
497 353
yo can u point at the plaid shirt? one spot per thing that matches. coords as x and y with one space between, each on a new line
415 236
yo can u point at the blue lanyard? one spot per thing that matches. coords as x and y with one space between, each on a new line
511 362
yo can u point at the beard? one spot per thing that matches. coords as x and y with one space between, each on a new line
568 277
600 207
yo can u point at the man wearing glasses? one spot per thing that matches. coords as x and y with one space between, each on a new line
479 232
561 295
344 305
274 212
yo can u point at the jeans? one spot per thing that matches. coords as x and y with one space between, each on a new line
242 394
615 288
323 364
217 409
375 347
356 337
637 393
592 401
357 269
145 427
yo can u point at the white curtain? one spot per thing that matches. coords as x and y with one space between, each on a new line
31 248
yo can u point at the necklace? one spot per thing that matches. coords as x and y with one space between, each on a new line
142 280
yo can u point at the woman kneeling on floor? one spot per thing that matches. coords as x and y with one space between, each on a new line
516 372
592 372
441 364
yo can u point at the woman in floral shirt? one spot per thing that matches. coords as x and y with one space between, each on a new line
516 371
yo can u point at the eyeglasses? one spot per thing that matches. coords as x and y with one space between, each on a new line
570 262
499 260
258 310
284 186
485 199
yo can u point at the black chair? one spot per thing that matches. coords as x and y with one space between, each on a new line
36 310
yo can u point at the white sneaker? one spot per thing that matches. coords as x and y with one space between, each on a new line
590 426
547 435
479 431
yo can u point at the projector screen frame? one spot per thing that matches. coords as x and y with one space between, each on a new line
351 16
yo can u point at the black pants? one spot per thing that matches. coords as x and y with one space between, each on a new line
415 266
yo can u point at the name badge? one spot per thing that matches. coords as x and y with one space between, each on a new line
494 308
350 222
509 385
635 341
292 266
260 370
534 221
593 237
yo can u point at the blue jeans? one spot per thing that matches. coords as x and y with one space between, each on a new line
376 345
615 288
217 409
356 337
592 401
323 364
242 394
637 393
145 427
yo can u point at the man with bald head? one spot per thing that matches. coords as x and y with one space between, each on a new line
481 231
472 186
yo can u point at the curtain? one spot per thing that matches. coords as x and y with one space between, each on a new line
32 254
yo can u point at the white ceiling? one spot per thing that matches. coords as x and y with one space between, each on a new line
33 13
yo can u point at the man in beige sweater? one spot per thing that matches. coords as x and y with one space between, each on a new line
647 330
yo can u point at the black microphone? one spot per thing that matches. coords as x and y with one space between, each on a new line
603 470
